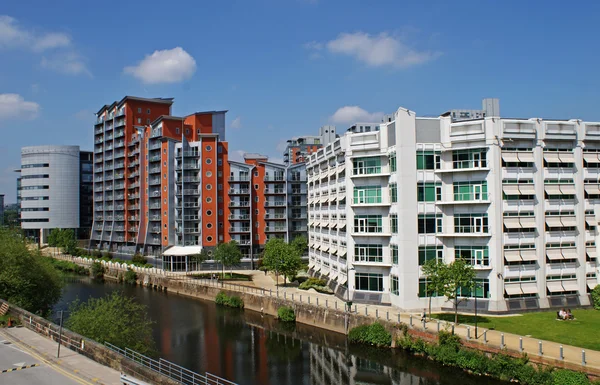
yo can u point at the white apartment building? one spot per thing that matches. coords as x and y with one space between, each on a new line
518 198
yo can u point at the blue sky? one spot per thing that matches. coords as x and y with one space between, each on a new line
285 67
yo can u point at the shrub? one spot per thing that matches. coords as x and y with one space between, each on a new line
130 277
596 297
96 254
568 377
231 301
139 258
312 282
374 334
107 255
286 314
449 339
97 271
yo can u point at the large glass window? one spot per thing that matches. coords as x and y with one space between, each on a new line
475 158
394 251
430 223
470 223
393 166
427 253
368 224
394 223
368 281
423 282
429 192
475 255
367 194
481 289
394 287
428 160
368 253
470 191
362 166
393 192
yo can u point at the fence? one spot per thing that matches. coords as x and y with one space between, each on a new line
169 369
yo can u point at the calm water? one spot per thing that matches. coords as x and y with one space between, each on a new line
247 348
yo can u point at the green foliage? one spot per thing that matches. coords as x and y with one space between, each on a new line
300 244
68 267
11 218
228 254
286 314
596 297
108 255
130 277
374 334
27 279
200 257
139 259
64 238
568 377
97 271
96 254
315 283
231 301
282 258
116 319
449 339
459 275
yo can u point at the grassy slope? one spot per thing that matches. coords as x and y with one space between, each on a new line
582 332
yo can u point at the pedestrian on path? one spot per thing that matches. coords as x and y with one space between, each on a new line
424 315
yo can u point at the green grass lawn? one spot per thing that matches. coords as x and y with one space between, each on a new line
582 332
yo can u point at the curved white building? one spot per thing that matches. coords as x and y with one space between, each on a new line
49 188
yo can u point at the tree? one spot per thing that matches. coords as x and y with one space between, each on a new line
27 279
458 276
228 254
292 263
300 244
116 319
11 218
434 271
200 258
274 256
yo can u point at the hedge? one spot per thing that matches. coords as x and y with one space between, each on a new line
374 334
286 314
231 301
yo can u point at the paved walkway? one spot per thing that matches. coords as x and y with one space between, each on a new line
70 368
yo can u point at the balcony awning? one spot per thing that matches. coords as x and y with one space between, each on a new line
566 157
552 189
325 249
511 189
591 157
333 198
343 279
591 252
569 221
527 222
591 283
529 255
567 189
554 287
334 225
512 223
570 285
554 254
513 289
592 189
551 157
343 252
512 255
569 253
181 251
325 200
527 188
529 288
591 220
510 157
525 156
554 222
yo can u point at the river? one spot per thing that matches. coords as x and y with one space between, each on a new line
248 348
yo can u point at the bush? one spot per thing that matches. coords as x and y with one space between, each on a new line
130 277
286 314
596 297
68 267
319 285
97 271
374 334
449 339
96 254
230 301
568 377
139 259
107 255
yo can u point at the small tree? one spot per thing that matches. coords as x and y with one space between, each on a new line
596 297
97 271
436 280
292 263
116 319
200 258
458 276
228 254
275 255
300 244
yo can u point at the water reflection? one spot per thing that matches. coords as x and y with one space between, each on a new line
245 347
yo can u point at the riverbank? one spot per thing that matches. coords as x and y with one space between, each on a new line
325 311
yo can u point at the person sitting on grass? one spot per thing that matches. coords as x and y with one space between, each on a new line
562 314
569 315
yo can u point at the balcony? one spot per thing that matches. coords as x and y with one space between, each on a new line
133 174
275 203
119 133
135 163
299 191
99 140
154 146
155 170
119 186
192 231
273 178
133 196
154 218
239 229
298 216
233 191
275 229
239 179
275 216
188 179
239 217
155 230
188 192
239 204
154 206
119 175
155 158
98 159
274 191
300 228
154 181
119 165
133 185
119 144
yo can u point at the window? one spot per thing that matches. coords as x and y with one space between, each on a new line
470 191
423 283
368 224
36 209
470 223
469 158
209 186
139 120
219 162
208 174
255 199
429 192
394 251
209 239
368 281
393 192
177 130
427 253
393 166
209 213
209 225
428 160
208 161
39 176
368 253
255 172
475 255
367 194
220 187
208 200
394 223
481 289
35 165
187 131
256 187
139 110
220 211
208 148
147 121
429 223
394 285
365 166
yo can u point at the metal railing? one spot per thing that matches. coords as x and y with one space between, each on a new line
169 369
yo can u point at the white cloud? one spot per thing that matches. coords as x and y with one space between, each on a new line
69 63
13 106
353 114
236 123
12 35
374 50
166 66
